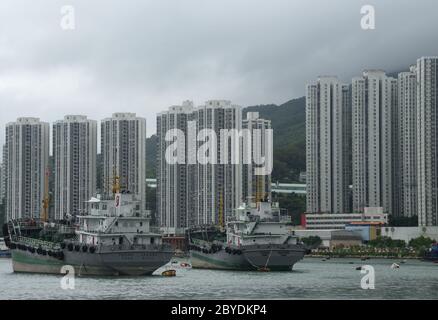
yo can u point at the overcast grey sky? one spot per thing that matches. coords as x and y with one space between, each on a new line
145 55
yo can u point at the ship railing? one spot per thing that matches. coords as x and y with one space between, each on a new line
199 242
281 218
66 230
90 230
30 224
134 247
155 230
285 219
36 243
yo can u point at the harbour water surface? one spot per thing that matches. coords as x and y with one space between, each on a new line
312 278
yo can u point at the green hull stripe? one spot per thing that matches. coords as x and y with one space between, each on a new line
28 259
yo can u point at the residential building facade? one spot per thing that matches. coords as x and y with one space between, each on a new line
427 140
328 146
205 185
173 206
74 152
26 167
407 139
2 183
216 187
256 187
123 149
374 106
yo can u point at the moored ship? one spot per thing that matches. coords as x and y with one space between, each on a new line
115 238
258 237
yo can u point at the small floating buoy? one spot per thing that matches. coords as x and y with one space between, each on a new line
169 273
358 268
395 266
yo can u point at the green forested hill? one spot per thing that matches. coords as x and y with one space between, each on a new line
151 155
288 122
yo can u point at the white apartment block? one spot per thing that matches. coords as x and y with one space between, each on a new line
407 142
2 183
328 146
256 187
3 177
374 108
74 152
312 150
123 147
192 192
216 188
173 206
427 140
26 163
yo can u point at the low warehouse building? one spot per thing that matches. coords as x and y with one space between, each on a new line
344 238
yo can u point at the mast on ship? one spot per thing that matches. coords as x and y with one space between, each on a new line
258 188
261 196
221 213
116 187
46 199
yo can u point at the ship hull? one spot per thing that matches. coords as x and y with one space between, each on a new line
275 258
220 261
250 258
123 263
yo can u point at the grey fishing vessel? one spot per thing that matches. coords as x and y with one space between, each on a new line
258 237
115 238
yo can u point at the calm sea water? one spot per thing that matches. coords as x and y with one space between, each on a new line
312 278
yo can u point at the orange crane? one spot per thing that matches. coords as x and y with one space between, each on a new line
221 213
46 199
259 189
